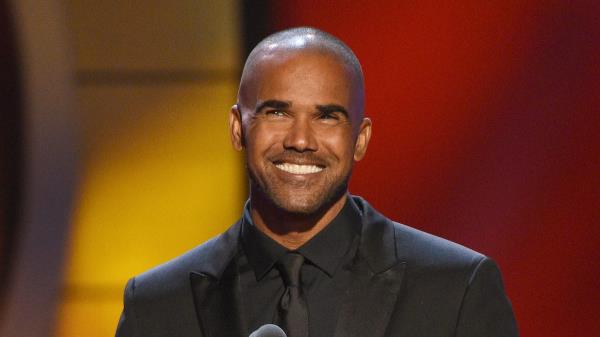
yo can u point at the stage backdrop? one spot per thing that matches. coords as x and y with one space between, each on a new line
486 131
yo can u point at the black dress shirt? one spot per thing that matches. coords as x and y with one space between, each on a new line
328 255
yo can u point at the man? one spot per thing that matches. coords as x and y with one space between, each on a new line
306 255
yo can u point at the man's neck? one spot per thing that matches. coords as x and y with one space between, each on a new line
292 230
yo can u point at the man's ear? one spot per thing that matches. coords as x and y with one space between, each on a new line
362 141
235 128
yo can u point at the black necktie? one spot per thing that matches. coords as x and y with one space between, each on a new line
293 314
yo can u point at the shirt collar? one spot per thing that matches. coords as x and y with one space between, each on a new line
325 250
261 250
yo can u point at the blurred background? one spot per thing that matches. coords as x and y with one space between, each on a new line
114 153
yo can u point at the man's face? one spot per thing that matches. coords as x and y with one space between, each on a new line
301 121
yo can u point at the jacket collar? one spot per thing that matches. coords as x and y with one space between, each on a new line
376 280
378 244
215 286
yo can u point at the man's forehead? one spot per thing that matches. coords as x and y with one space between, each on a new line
294 69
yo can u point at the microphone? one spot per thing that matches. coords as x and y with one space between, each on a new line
268 330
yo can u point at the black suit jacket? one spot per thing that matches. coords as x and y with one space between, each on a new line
404 283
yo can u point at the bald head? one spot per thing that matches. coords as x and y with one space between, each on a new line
300 41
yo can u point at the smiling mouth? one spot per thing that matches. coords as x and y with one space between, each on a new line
298 169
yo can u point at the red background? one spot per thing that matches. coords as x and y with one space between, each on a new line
486 132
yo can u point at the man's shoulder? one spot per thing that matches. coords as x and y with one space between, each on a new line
209 258
417 248
426 250
433 267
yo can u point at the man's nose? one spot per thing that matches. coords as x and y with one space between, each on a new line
300 136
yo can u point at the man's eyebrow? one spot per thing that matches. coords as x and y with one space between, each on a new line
274 104
331 108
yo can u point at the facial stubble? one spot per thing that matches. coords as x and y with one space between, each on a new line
281 195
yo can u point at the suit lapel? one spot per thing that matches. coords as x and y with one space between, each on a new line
376 279
218 303
216 288
369 301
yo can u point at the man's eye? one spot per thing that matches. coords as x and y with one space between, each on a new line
329 116
277 113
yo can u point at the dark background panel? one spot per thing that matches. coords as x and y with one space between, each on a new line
10 145
37 159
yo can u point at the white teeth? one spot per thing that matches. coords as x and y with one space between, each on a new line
299 169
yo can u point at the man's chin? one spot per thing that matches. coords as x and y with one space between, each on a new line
306 205
297 205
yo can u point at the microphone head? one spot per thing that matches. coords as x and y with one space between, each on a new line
269 330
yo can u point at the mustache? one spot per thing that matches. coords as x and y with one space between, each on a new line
300 158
